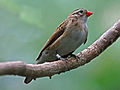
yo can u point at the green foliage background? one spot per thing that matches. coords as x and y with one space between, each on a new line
25 25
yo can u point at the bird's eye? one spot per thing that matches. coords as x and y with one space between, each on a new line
81 11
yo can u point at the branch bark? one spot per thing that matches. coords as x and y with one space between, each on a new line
49 69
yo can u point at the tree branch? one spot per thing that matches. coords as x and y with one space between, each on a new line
56 67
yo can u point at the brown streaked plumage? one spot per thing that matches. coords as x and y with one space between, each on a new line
66 39
59 31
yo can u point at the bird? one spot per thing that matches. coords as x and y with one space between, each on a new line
68 36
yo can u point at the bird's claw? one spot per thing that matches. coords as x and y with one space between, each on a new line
73 55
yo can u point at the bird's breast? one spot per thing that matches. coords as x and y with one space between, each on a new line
71 41
77 37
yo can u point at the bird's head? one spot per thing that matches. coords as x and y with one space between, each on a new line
80 14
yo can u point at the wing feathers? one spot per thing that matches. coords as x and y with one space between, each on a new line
59 31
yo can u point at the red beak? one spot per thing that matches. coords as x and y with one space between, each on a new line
88 13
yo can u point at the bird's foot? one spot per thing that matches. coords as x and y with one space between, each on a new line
73 55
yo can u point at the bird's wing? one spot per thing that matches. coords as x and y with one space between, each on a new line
59 31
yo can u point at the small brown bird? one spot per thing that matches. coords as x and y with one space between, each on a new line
66 39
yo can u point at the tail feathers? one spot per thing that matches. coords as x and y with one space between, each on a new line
28 80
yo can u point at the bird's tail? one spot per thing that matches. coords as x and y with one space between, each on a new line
28 80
